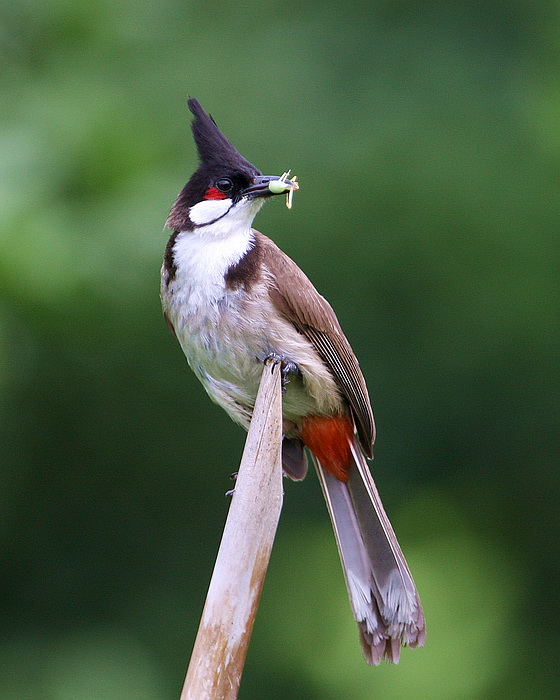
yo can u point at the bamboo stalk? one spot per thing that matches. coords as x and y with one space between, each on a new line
223 636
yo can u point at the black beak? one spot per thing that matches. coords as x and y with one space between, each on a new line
268 185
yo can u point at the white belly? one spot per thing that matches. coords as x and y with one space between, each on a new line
226 350
226 334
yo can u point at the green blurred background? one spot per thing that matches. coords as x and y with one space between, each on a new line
426 137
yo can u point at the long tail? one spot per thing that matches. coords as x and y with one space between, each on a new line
382 593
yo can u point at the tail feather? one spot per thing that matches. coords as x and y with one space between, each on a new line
382 593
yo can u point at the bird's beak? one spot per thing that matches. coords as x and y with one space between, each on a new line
267 185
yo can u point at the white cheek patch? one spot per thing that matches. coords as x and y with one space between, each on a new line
209 210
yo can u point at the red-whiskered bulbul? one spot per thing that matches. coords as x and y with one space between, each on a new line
232 298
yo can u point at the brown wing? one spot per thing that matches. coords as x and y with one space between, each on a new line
296 298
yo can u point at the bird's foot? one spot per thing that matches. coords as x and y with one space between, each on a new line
233 477
287 367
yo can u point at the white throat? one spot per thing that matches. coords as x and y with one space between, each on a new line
203 256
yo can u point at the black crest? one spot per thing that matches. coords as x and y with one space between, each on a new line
214 150
218 158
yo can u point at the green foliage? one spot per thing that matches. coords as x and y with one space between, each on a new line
425 139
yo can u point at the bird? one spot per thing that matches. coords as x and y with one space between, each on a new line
234 300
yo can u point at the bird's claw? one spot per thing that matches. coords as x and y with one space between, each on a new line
233 477
287 367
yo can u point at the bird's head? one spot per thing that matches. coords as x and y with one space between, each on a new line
225 185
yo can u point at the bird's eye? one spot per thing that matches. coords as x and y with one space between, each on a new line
224 184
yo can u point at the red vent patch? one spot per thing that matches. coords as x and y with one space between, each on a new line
328 437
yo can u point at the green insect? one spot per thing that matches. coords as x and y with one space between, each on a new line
280 185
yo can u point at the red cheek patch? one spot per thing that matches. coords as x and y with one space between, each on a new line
214 193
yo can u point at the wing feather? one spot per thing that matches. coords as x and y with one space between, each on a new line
296 298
